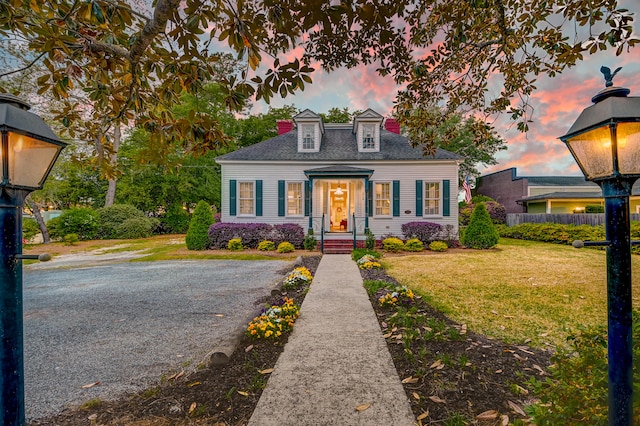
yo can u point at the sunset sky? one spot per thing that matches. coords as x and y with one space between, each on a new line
557 104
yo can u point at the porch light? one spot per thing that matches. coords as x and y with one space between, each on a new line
28 150
605 142
338 191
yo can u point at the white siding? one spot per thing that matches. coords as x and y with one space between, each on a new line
405 172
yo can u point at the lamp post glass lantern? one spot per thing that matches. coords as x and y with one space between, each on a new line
605 142
28 150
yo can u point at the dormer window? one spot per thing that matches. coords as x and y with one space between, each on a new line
308 137
368 136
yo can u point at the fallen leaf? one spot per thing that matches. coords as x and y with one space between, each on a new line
438 365
394 329
266 371
192 407
248 348
524 349
463 329
429 329
363 407
383 324
487 415
410 380
515 407
504 420
509 316
521 390
509 351
527 340
520 357
498 371
386 336
423 415
243 393
494 312
543 334
90 385
437 399
416 396
193 384
219 315
537 367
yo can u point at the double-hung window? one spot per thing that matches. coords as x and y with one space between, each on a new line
432 198
368 136
308 137
294 198
383 199
246 199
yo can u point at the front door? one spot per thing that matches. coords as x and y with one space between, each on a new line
339 206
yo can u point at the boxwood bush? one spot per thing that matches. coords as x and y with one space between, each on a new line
413 244
113 217
197 237
392 244
135 227
266 245
285 247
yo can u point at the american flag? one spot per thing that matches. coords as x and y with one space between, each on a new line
467 190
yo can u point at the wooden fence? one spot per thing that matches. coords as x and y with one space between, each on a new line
593 219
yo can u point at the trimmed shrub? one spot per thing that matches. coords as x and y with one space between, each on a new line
370 241
356 254
438 246
266 245
413 244
392 244
197 237
594 208
481 232
558 233
136 227
30 228
497 212
235 244
423 231
310 243
252 233
285 247
290 232
112 217
70 239
84 222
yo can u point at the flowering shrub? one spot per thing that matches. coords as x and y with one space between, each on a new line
285 247
266 245
252 233
274 321
400 295
297 277
368 262
423 231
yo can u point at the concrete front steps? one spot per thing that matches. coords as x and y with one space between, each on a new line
341 246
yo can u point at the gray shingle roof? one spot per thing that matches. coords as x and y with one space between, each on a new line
558 181
337 145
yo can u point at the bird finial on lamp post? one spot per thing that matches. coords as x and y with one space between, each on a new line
608 76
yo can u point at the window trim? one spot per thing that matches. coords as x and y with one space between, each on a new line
375 198
372 126
300 199
425 199
240 198
303 132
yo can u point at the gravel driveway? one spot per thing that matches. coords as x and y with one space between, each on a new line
125 325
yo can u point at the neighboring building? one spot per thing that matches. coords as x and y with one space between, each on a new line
356 176
544 194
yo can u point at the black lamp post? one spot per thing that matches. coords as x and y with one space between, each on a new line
605 141
28 149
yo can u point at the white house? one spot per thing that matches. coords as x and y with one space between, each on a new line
340 178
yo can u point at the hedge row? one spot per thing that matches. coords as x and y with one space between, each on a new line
252 233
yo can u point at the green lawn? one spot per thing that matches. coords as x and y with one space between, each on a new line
519 291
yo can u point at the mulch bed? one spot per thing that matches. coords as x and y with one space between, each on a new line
470 377
493 378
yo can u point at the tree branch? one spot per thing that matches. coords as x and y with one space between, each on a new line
154 26
26 67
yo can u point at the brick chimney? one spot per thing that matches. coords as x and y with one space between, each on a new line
284 126
392 125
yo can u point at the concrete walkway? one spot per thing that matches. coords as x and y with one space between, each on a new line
335 360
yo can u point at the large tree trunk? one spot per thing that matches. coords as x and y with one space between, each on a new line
111 191
35 208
